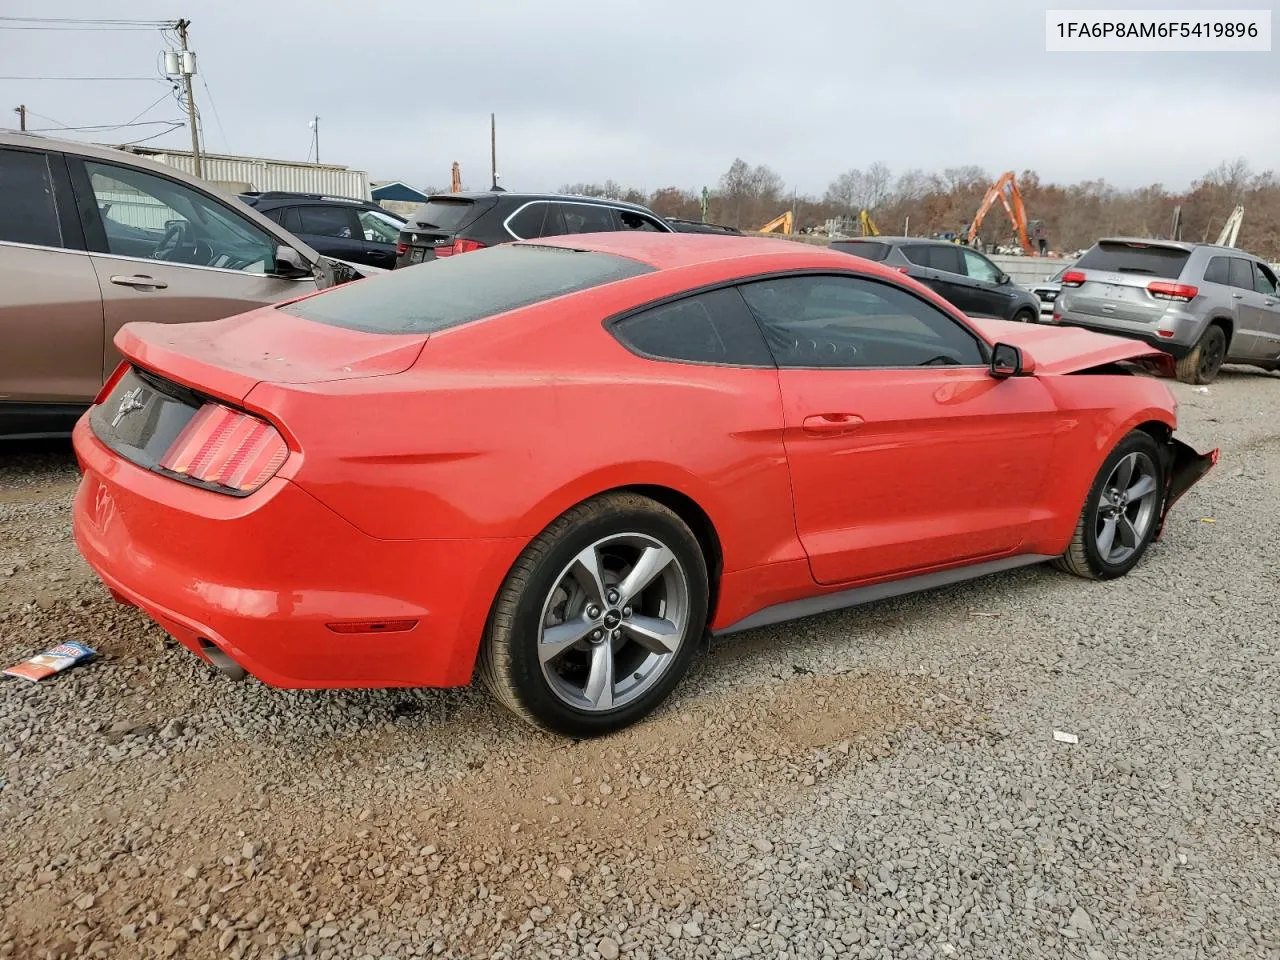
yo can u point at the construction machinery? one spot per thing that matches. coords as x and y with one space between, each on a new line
1231 229
784 223
1006 191
1175 229
456 186
869 228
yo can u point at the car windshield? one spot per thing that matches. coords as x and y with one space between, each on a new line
455 290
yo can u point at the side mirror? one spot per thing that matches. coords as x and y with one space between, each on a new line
1009 361
290 264
1002 278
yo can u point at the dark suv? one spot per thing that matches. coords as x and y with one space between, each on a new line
460 222
356 230
963 276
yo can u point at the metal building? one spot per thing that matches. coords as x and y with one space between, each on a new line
238 174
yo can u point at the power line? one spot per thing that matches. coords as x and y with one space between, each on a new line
209 93
154 136
95 79
152 23
105 127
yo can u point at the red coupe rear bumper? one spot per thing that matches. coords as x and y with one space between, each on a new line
280 583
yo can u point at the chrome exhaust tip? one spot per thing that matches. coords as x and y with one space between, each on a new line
221 662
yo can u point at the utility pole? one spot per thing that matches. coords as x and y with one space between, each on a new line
188 67
493 149
315 125
21 111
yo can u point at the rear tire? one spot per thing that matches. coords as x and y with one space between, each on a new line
1024 316
1204 361
1113 532
598 619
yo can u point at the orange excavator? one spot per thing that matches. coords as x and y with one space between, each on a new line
1006 191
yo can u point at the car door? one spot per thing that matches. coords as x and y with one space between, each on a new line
332 229
946 272
905 454
165 252
990 297
50 304
379 232
1267 345
1251 310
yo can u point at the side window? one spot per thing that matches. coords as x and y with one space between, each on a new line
917 253
537 219
946 256
979 267
28 213
339 222
1265 281
713 327
276 215
853 322
149 216
631 220
1217 271
292 222
378 227
1241 273
587 218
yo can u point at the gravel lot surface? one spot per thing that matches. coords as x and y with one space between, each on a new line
879 783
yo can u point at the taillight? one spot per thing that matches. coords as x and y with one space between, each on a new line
401 249
121 369
458 246
1072 278
226 448
1181 292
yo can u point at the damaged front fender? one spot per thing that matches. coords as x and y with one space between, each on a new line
1183 471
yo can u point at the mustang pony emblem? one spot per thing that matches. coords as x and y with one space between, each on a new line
130 402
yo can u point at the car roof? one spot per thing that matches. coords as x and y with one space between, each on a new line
667 251
899 241
526 197
281 197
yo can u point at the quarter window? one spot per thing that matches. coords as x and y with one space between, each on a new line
712 327
853 322
149 216
28 212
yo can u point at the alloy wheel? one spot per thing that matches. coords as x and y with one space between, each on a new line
613 622
1126 508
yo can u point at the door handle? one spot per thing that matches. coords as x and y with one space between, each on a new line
1269 303
831 424
140 282
1237 296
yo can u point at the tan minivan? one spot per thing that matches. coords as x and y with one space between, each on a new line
92 238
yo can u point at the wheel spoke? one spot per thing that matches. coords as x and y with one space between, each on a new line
651 563
599 688
1145 486
652 633
1123 473
586 570
1124 529
559 638
1106 537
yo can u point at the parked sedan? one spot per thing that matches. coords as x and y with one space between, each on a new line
567 459
959 274
91 238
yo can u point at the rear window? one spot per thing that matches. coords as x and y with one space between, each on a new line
1166 262
867 249
456 290
437 214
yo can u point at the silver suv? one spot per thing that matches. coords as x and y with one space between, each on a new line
1204 304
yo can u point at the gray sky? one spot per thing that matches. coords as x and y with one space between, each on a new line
656 92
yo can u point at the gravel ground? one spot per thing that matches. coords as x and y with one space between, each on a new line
878 783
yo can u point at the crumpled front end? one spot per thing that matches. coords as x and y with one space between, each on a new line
1184 470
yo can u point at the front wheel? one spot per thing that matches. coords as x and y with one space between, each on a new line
1024 316
1121 514
598 619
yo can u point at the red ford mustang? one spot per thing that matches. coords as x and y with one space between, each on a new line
563 461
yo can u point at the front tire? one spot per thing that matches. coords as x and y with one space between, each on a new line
1024 316
1121 514
1204 361
598 619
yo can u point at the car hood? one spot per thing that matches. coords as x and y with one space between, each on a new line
228 358
1059 350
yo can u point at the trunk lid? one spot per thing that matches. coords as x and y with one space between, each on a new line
228 358
1117 274
1061 350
